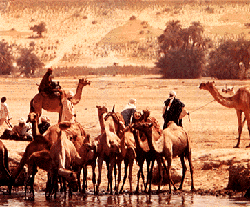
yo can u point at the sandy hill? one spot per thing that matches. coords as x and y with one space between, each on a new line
132 30
100 33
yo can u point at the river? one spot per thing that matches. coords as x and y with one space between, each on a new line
164 199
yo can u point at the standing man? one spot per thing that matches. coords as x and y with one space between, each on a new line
128 111
4 112
68 112
172 110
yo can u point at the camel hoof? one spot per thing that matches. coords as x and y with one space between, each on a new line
237 146
248 146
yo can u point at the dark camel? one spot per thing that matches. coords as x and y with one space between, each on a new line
173 142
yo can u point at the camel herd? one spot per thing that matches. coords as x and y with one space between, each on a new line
65 150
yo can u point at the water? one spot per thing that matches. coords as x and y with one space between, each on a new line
17 199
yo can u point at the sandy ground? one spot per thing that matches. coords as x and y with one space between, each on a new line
211 127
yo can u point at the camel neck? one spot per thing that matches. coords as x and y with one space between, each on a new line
225 101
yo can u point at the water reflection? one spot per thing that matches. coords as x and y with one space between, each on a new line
17 199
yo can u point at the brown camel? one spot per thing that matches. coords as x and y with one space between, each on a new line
64 156
88 152
85 146
115 123
39 159
53 103
41 143
136 147
38 144
240 101
108 147
173 142
128 155
101 111
4 167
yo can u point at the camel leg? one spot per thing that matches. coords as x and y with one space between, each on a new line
119 175
84 183
125 173
191 170
100 162
169 172
149 177
247 117
159 162
184 168
131 163
115 174
240 124
138 179
108 164
93 175
110 181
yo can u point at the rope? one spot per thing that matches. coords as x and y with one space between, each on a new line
199 108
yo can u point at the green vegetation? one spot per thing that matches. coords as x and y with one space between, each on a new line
224 61
39 29
6 58
181 51
28 62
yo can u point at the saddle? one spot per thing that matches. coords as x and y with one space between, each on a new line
53 91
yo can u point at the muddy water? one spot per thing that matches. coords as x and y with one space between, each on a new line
122 200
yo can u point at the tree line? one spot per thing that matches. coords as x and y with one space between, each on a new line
183 53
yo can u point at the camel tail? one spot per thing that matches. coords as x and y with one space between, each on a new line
3 167
6 158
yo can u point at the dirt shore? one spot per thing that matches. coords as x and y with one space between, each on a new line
211 127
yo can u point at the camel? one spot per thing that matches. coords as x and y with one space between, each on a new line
39 159
64 155
44 143
101 111
4 166
38 144
88 151
108 147
143 153
53 103
173 142
84 145
240 101
128 154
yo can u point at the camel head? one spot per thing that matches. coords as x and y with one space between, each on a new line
206 86
102 110
142 126
32 117
84 81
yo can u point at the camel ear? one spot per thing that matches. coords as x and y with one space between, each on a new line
113 110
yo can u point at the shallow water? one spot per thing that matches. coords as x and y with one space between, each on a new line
122 200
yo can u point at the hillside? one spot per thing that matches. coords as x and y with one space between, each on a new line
98 34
